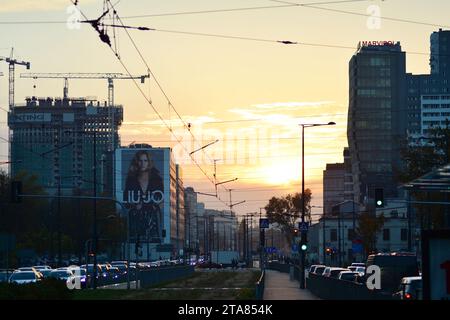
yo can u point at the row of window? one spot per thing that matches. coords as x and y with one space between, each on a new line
436 97
434 123
436 106
436 114
386 234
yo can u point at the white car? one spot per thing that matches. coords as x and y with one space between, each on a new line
39 268
23 277
25 269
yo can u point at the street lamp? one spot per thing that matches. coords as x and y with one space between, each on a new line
304 233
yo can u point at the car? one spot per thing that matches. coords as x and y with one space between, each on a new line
333 272
5 274
45 272
61 274
410 289
23 277
122 268
313 267
358 264
319 270
40 268
361 270
25 269
348 275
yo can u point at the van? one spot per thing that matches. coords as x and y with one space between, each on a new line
394 267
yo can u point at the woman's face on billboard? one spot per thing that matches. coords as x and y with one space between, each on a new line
143 162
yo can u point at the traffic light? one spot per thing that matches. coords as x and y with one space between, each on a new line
16 191
328 251
379 199
295 232
304 242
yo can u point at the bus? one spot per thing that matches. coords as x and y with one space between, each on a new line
394 266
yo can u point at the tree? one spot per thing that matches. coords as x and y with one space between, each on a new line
286 211
368 227
420 160
424 157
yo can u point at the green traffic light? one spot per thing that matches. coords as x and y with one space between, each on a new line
304 247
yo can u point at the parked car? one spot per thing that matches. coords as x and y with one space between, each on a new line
23 277
40 268
333 272
25 269
358 264
319 270
348 276
361 270
313 267
45 272
410 289
61 274
5 274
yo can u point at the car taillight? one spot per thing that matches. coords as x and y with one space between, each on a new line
407 296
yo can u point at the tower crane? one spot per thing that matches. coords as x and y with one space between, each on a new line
109 76
12 65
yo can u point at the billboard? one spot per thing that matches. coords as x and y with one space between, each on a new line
436 264
140 186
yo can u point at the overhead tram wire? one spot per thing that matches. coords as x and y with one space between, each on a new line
149 101
167 98
154 77
312 6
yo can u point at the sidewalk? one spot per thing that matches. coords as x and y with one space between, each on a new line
278 286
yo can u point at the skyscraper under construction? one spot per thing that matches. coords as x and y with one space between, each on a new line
63 140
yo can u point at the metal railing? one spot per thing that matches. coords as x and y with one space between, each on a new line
260 286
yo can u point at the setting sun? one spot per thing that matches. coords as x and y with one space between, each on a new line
281 173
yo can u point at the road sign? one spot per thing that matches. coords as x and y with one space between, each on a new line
357 248
303 226
294 248
264 223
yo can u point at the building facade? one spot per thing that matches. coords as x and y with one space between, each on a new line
56 140
376 126
333 185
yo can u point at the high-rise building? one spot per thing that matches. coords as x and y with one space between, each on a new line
437 83
440 53
191 216
333 185
56 139
376 122
181 221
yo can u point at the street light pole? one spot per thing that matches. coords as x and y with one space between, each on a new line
303 253
95 210
59 223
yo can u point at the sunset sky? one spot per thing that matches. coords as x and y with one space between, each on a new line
251 95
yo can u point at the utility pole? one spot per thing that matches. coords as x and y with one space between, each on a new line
95 210
59 223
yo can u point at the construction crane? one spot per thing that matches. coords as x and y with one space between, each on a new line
109 76
12 65
66 76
